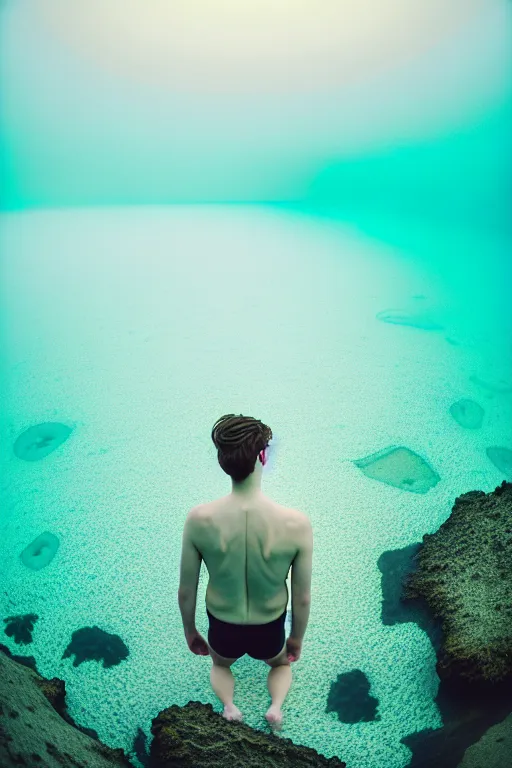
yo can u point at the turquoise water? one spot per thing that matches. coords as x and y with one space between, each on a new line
351 317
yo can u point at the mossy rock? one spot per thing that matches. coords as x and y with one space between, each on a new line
464 572
195 736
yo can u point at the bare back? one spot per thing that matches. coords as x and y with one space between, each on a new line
248 548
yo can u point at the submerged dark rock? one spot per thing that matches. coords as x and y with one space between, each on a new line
498 386
20 627
501 457
37 442
195 736
94 644
350 698
467 413
399 317
400 467
40 552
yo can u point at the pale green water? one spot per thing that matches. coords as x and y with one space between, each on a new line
138 325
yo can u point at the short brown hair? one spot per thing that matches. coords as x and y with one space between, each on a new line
238 440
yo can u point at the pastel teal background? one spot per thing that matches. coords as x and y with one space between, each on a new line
165 259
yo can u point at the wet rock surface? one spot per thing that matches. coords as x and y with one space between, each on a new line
451 585
195 736
35 729
464 573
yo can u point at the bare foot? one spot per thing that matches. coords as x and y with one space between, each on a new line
232 713
274 717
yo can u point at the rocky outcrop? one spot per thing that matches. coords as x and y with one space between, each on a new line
37 731
35 728
457 586
464 573
195 736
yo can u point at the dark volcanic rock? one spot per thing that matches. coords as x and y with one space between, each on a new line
27 661
195 736
33 733
465 575
474 649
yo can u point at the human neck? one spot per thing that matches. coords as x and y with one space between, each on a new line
251 486
246 491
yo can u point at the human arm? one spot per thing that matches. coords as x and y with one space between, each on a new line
190 567
301 581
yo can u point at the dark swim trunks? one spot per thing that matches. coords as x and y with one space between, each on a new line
260 641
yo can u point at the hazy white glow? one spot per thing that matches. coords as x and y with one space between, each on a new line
256 45
204 100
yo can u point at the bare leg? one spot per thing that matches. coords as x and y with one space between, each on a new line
279 681
223 683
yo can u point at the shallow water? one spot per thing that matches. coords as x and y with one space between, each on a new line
139 355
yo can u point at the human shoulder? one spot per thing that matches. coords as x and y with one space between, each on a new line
198 514
303 528
300 517
299 514
298 526
205 509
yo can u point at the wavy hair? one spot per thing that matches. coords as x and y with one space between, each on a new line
238 440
